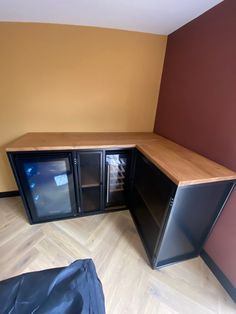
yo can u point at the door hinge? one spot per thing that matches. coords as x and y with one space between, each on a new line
171 202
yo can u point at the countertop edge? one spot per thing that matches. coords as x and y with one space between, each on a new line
171 175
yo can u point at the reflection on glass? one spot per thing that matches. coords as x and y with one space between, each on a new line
48 183
90 169
116 176
91 199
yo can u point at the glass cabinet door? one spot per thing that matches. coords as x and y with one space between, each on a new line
90 180
48 184
117 172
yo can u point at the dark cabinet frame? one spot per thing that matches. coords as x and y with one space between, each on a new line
79 187
189 212
75 188
130 153
194 217
15 161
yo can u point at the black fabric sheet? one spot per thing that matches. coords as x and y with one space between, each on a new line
73 289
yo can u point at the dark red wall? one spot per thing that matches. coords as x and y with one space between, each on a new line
197 107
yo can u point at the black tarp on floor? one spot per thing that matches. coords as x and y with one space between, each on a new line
73 289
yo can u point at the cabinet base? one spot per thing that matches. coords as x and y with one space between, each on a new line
84 214
9 194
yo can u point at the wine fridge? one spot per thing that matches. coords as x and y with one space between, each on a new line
117 177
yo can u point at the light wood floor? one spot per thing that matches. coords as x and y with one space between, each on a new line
130 285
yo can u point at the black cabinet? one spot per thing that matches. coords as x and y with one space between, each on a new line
154 188
63 184
46 182
152 196
193 214
90 180
173 221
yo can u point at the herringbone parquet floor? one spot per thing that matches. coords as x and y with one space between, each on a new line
130 285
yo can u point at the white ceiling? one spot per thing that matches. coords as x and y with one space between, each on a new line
151 16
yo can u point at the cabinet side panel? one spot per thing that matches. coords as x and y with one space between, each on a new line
151 197
193 214
22 195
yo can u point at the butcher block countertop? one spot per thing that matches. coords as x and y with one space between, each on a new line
181 165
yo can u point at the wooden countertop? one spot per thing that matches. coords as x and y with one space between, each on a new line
181 165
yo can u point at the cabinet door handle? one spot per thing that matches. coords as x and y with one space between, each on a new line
108 182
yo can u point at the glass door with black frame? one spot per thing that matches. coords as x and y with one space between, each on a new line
47 184
117 175
90 180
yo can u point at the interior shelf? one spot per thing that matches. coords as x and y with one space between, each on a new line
90 199
88 180
153 188
148 227
156 210
90 164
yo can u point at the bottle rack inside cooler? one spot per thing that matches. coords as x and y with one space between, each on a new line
116 178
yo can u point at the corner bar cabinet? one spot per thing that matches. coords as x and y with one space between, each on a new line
173 221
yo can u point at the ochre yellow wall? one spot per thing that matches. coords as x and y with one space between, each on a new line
70 78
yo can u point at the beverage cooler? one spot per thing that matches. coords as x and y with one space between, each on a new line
48 185
117 178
